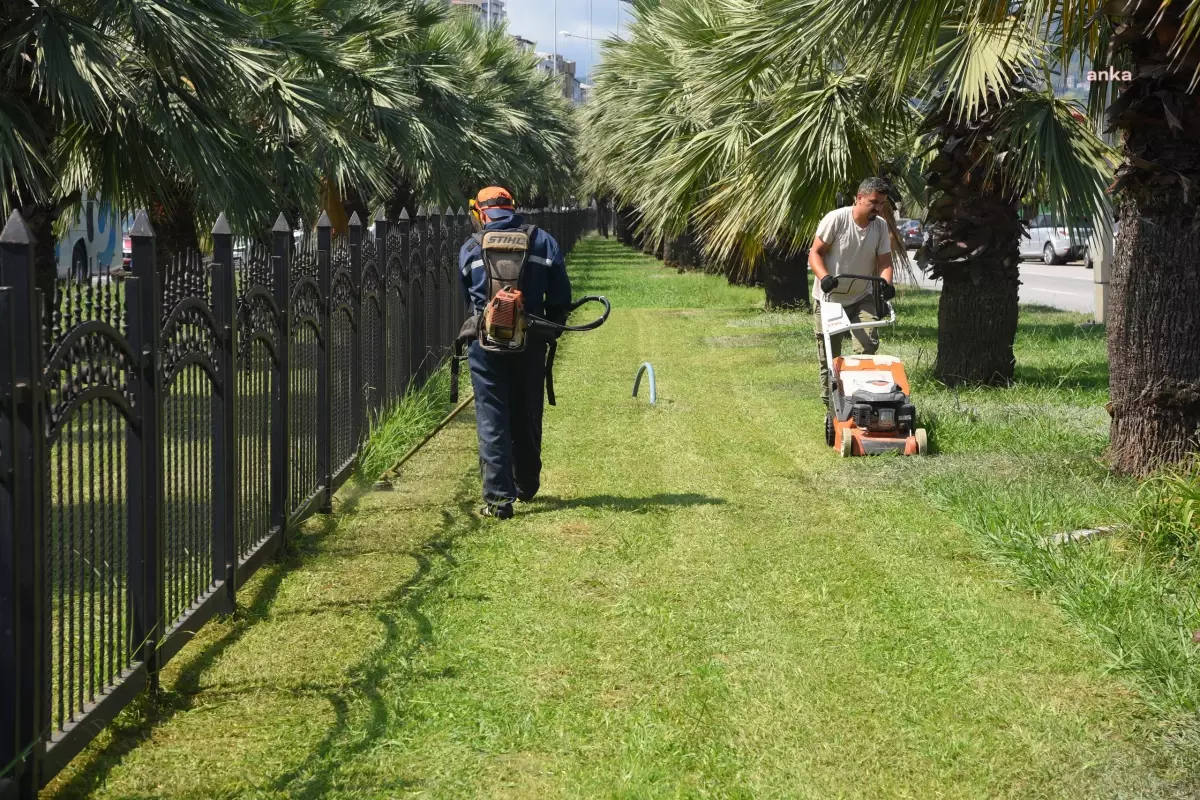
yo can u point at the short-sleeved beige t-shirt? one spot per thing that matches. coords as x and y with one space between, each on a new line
852 250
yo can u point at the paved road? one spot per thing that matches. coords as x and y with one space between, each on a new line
1068 287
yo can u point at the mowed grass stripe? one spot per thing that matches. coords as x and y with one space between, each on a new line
704 601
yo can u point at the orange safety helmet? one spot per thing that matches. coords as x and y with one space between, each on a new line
488 198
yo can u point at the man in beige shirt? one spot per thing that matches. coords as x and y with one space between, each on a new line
851 241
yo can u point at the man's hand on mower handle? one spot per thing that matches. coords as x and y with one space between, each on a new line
829 283
888 291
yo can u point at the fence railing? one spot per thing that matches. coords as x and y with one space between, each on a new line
161 435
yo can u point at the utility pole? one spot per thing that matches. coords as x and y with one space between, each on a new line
590 56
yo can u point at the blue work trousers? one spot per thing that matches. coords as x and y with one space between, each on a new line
509 394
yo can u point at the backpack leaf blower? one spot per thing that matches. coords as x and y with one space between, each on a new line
505 323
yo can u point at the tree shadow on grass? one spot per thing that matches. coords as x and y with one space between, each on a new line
136 725
641 505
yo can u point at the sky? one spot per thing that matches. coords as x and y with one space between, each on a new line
534 19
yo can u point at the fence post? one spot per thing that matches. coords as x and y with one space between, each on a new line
433 299
225 438
357 401
325 364
143 309
464 231
415 342
9 690
381 271
444 273
281 392
404 360
23 659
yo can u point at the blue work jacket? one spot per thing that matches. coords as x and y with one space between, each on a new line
544 281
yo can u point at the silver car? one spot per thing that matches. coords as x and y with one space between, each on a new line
910 232
1054 244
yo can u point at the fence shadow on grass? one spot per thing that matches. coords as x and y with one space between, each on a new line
315 776
152 713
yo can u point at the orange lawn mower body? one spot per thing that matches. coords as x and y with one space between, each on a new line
871 410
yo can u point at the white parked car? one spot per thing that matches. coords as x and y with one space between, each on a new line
1054 244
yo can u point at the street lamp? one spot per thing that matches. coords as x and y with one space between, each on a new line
577 36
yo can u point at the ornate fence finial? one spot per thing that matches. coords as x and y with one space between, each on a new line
15 230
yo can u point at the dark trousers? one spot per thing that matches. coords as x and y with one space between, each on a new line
509 396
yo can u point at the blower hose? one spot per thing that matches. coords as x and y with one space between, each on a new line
547 325
544 325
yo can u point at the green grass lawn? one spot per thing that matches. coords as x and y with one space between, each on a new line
705 600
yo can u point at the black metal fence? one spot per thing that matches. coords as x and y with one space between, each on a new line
161 435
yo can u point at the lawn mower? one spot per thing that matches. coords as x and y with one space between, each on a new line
871 411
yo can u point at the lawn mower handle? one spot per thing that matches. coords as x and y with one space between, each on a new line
879 301
880 322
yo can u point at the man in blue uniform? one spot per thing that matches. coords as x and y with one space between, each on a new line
509 386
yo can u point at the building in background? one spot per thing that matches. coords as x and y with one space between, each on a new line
495 12
565 68
1073 84
486 11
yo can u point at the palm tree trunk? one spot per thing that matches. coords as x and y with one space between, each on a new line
173 218
737 275
977 323
975 229
40 220
785 279
1154 333
1154 319
401 200
680 251
624 225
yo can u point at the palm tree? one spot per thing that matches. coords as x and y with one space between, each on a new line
1017 141
1153 323
748 167
120 101
428 104
201 108
1154 349
977 83
515 127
